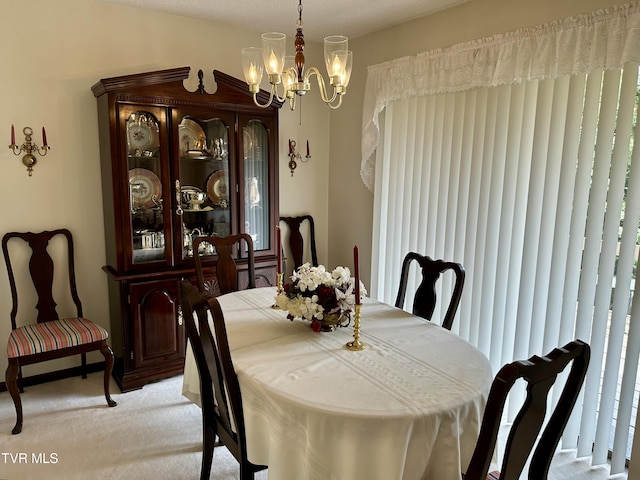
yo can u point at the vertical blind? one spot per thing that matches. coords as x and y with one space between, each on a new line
535 188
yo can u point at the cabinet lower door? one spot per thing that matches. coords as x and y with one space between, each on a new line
158 333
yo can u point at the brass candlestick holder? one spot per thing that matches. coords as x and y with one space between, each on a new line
356 344
279 277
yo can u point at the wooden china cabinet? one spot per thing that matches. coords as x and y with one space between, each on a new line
175 165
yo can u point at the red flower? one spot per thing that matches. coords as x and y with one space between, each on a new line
316 325
327 298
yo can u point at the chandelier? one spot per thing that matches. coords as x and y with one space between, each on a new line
290 70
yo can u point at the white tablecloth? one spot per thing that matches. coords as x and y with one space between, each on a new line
408 407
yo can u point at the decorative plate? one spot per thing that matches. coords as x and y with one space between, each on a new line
192 137
218 186
141 134
145 188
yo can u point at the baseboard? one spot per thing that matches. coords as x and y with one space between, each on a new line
57 375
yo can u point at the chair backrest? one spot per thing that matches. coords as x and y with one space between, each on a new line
226 268
540 373
41 267
219 387
296 242
424 302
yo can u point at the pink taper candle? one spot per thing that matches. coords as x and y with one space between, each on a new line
279 247
13 135
357 273
44 137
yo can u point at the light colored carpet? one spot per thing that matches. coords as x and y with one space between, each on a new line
154 433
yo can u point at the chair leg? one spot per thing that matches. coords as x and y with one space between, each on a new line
83 368
246 472
11 380
208 445
107 353
20 380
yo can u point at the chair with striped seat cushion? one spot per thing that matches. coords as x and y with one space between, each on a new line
540 374
53 335
49 337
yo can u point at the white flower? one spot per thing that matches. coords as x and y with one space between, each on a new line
341 275
301 300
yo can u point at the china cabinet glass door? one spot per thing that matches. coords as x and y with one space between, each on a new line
255 149
203 195
145 180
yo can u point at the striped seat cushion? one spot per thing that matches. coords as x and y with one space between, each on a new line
54 335
495 475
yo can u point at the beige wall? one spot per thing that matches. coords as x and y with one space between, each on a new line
350 203
50 64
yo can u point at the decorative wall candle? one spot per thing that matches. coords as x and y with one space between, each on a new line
295 157
29 147
356 268
279 249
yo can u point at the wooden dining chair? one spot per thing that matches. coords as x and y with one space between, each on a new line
540 374
424 302
296 241
49 337
226 268
222 413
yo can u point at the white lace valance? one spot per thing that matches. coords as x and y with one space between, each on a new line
604 39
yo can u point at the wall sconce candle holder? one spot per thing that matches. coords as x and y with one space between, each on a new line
293 156
29 147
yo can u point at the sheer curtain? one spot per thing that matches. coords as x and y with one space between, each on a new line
514 155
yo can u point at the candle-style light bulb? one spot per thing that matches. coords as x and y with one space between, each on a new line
273 62
253 74
337 66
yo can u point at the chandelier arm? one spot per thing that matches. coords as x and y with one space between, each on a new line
273 94
274 89
337 105
321 85
255 100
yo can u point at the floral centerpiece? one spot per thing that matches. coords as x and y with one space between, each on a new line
326 298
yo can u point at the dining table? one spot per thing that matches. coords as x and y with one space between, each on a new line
407 407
